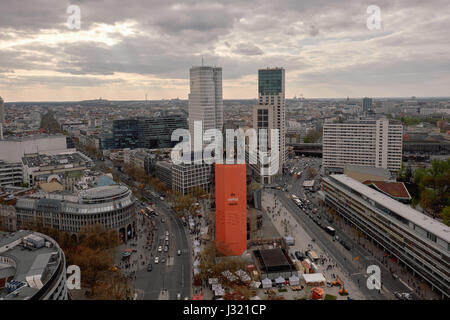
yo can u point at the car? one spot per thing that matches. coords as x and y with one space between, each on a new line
178 296
156 259
161 198
299 255
403 296
179 252
162 221
346 245
166 248
163 260
167 233
159 248
149 268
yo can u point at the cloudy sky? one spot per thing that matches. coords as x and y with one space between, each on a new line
125 49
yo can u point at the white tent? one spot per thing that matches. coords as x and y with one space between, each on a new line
212 280
280 280
314 278
255 284
266 283
196 263
219 292
196 271
294 280
255 298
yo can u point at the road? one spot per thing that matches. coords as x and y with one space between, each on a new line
356 269
174 276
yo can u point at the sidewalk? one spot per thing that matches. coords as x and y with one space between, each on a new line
287 225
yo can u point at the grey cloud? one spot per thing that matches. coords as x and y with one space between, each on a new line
248 49
173 35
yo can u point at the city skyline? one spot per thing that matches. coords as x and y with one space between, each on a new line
122 52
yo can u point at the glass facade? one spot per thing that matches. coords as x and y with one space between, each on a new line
155 132
270 81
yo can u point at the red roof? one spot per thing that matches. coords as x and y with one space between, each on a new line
390 188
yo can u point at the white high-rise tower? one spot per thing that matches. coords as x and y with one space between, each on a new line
2 117
2 111
205 98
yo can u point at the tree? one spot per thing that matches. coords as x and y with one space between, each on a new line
446 215
313 136
311 172
92 262
113 285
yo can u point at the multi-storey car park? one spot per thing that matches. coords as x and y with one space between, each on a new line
32 267
111 206
419 242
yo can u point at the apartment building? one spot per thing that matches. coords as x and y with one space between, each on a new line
369 143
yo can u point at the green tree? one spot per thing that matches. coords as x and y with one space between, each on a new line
446 215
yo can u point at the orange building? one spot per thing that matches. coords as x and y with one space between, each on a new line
231 209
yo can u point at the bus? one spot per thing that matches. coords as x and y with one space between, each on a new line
330 231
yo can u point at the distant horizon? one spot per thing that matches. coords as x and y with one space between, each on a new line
185 99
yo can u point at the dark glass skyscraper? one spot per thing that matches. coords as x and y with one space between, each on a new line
149 133
270 81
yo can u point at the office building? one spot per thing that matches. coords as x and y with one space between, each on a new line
231 209
125 133
2 111
32 267
368 143
156 132
8 218
419 242
189 177
38 168
111 206
13 149
2 117
270 113
150 133
205 98
367 105
11 173
163 171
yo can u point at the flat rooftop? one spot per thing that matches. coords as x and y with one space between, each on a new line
43 160
273 260
28 261
434 226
